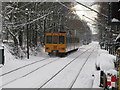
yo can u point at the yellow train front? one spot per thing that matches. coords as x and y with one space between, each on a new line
59 44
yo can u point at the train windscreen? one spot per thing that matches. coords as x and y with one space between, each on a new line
61 39
55 39
49 39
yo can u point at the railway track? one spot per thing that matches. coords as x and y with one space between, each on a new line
72 81
80 70
42 86
22 67
40 68
30 71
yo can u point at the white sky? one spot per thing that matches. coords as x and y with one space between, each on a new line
81 10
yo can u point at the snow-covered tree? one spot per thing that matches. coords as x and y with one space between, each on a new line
27 22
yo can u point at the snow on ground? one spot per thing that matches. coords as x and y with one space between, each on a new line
0 78
106 63
1 47
37 78
12 63
24 71
66 78
96 82
105 60
85 79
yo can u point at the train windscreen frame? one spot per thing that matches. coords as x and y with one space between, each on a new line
48 39
61 39
55 39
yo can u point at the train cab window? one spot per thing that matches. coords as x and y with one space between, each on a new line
61 39
49 39
55 39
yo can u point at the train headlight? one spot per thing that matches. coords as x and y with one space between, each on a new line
62 48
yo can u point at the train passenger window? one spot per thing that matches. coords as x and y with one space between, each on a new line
61 39
49 39
55 39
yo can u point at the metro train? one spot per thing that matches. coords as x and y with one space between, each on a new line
60 44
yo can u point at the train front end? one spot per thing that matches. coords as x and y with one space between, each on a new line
55 43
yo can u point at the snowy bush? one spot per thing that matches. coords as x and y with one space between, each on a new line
105 61
102 51
8 55
112 72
